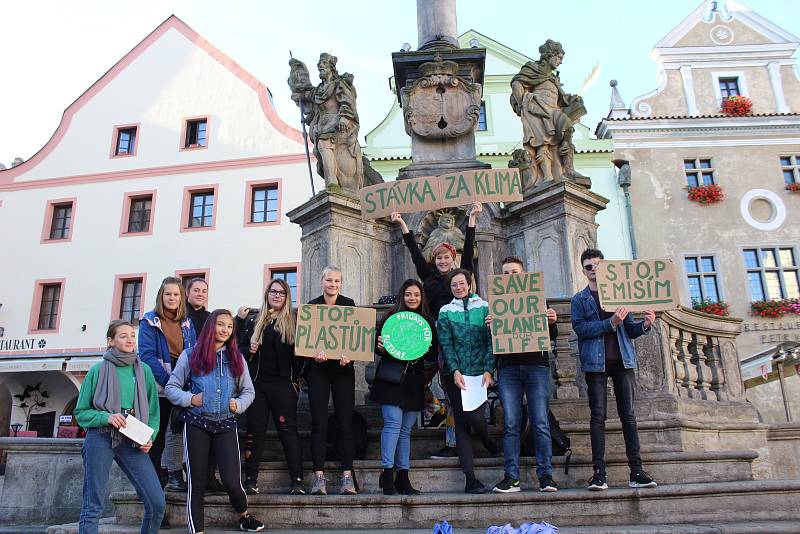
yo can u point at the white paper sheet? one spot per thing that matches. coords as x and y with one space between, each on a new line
474 395
137 431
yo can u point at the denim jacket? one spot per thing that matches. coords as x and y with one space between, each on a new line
590 329
217 387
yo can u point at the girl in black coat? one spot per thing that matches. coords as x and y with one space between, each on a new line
401 403
267 340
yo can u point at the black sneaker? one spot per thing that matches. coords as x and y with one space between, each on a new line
251 486
297 487
598 481
641 479
445 453
249 523
546 483
475 487
507 485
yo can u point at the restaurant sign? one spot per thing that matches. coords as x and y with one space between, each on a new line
29 343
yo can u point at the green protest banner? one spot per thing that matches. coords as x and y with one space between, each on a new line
436 192
341 331
406 336
519 313
638 285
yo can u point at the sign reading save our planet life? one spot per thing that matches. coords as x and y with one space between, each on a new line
638 285
437 192
406 336
340 331
519 313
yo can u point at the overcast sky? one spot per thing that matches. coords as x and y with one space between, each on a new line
52 51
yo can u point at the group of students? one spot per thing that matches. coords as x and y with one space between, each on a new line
196 371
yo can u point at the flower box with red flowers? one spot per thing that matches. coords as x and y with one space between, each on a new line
775 309
719 308
706 194
793 187
736 106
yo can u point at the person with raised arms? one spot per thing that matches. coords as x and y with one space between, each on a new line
268 340
606 351
433 272
525 374
401 399
328 378
467 350
114 388
212 383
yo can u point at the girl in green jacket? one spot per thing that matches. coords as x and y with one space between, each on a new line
114 388
467 349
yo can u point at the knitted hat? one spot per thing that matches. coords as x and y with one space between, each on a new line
447 246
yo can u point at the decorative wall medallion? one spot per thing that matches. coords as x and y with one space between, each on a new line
721 35
777 217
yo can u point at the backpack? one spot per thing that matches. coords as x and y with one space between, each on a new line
559 439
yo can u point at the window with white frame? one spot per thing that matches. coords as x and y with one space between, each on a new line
702 276
772 273
698 172
790 166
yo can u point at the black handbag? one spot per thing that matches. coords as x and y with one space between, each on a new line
391 370
177 416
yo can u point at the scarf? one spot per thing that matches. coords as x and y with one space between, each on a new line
107 392
172 331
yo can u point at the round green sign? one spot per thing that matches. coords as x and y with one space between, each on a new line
406 336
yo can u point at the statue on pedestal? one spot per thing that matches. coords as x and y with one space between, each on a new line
330 111
548 115
445 232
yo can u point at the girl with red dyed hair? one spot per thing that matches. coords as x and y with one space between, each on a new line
212 382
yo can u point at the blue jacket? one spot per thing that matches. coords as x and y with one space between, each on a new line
590 329
153 347
218 388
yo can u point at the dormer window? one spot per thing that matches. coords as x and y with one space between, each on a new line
195 133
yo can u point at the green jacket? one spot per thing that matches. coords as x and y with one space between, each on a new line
88 416
466 342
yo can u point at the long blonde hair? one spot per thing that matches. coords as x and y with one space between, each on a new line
285 319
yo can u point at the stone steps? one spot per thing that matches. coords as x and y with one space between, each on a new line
740 501
745 527
446 475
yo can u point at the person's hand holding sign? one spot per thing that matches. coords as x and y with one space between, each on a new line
321 357
344 361
649 318
619 316
552 316
398 219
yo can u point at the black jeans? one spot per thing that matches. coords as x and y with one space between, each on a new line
164 409
624 381
197 443
465 421
324 379
279 398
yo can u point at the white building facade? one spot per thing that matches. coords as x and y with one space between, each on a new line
174 162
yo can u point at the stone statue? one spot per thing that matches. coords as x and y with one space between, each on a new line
330 111
445 232
548 115
522 161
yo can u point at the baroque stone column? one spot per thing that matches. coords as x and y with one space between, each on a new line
335 234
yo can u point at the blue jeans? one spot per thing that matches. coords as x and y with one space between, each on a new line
534 382
97 457
396 436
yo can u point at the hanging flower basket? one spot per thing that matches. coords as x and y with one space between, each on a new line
719 308
794 187
706 194
736 106
775 309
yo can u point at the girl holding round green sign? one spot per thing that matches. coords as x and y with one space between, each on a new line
407 338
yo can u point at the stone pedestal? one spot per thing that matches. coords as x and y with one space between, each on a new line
550 229
335 234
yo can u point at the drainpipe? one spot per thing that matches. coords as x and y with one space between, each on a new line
624 181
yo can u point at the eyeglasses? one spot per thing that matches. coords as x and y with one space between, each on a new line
590 267
275 293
